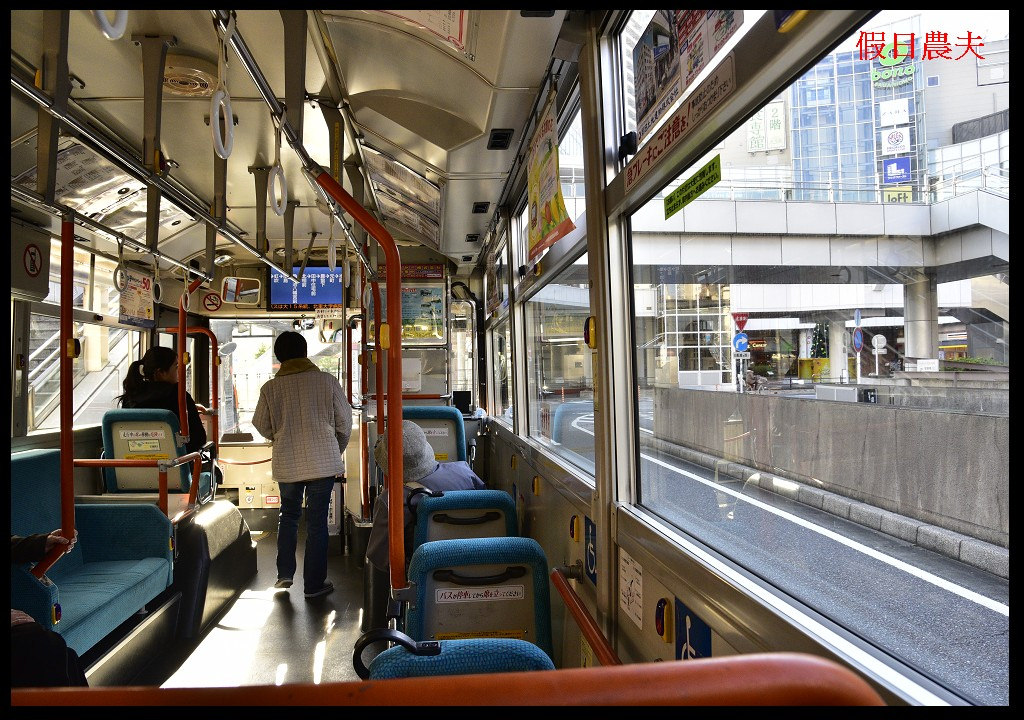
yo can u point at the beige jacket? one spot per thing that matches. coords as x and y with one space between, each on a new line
304 412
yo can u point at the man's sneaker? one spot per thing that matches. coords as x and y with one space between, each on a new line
283 583
327 589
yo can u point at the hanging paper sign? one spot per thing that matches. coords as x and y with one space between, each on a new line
448 25
491 281
136 301
549 220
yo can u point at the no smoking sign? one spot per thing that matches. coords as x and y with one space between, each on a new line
212 302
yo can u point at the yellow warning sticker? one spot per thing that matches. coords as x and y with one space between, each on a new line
441 457
149 456
513 634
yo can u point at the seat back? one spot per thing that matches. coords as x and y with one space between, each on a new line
143 434
35 500
458 514
482 587
444 428
461 657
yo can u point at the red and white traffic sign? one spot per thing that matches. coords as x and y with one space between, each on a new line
740 319
212 302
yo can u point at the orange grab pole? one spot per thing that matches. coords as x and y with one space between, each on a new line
759 679
182 409
378 366
393 274
68 352
364 434
215 380
588 626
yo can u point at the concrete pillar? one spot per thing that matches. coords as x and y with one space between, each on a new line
921 319
837 351
96 340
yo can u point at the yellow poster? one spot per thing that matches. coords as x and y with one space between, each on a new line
549 220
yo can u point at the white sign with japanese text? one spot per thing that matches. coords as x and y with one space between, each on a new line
708 95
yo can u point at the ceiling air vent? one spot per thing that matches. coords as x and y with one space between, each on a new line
467 258
188 76
473 237
500 139
480 207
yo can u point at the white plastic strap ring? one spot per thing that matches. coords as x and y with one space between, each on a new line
332 254
185 296
220 107
279 207
120 277
115 31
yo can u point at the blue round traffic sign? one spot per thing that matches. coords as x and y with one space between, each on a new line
740 342
858 339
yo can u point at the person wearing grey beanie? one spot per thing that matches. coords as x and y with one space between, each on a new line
419 466
417 456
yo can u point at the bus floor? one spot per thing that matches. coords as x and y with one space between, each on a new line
274 637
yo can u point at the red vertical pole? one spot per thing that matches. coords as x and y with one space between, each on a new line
393 345
68 352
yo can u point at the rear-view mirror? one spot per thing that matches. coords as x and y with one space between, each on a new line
241 291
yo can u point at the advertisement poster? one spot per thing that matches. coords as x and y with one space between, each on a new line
549 220
491 280
701 34
896 170
766 128
423 314
136 302
655 71
896 141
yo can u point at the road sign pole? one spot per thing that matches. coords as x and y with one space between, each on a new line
858 367
876 364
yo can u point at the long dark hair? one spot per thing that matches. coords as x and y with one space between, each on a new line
141 372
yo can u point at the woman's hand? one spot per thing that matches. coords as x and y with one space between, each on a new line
55 539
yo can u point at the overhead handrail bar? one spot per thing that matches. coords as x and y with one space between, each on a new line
29 197
606 655
329 187
756 679
133 167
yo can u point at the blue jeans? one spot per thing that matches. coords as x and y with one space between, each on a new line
314 560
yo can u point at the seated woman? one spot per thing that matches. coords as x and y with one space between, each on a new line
39 656
152 382
418 466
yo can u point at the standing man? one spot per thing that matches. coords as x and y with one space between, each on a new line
303 411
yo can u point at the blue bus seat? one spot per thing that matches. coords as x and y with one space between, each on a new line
472 656
444 427
458 514
122 560
481 587
145 433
